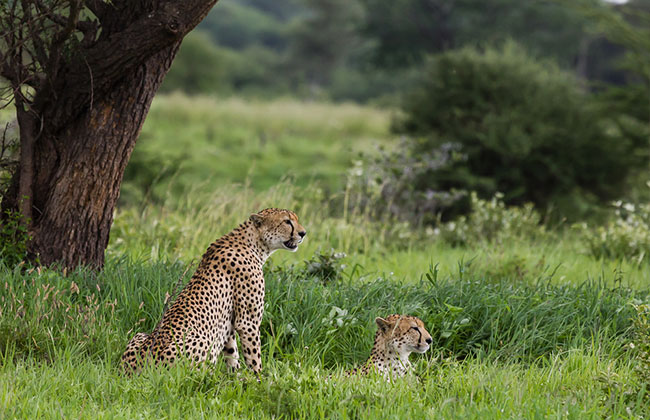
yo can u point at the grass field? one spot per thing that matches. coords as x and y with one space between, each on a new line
533 327
206 142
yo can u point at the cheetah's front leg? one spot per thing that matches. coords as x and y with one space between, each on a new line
249 335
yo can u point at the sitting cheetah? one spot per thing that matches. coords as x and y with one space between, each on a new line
225 294
396 338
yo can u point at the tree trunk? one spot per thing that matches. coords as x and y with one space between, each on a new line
78 190
84 126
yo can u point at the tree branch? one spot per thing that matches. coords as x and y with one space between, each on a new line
86 27
116 54
6 70
63 35
98 7
164 24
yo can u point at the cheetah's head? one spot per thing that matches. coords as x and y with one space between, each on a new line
279 229
405 334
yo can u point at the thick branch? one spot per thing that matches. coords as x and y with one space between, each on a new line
115 54
156 29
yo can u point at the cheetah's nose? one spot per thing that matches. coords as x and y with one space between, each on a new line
302 234
429 340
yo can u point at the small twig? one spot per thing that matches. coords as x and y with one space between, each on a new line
62 36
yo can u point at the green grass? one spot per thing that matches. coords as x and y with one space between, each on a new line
181 228
212 141
533 327
574 385
526 350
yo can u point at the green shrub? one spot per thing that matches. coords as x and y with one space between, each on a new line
626 236
236 25
197 68
491 221
523 126
257 71
203 67
325 266
13 238
387 186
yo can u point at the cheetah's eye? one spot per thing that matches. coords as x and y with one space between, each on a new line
287 222
415 328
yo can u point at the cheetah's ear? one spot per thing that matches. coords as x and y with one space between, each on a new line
257 220
382 324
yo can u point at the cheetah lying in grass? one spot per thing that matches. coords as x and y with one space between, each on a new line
397 337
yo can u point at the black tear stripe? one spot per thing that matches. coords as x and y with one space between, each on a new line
419 332
292 228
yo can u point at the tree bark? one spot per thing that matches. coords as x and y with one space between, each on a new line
78 192
26 125
87 119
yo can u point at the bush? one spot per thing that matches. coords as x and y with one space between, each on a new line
203 67
197 67
627 236
387 188
492 221
238 26
524 127
325 266
14 238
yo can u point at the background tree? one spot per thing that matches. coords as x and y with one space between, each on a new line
524 128
322 39
405 31
199 69
627 104
81 74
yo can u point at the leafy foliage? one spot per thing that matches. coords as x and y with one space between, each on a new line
523 126
13 238
238 25
406 31
627 236
626 104
492 222
326 266
198 67
386 185
364 50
